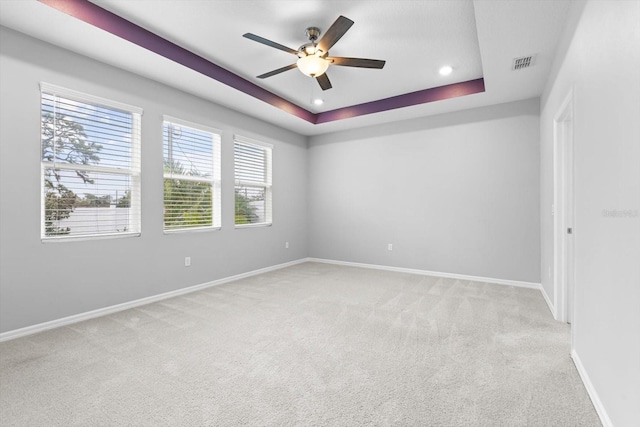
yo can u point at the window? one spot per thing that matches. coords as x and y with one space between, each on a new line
191 176
253 182
90 165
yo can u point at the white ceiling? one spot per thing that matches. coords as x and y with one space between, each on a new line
478 38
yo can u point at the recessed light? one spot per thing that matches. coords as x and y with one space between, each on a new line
318 101
446 70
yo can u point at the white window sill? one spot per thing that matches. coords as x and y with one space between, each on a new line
192 230
259 224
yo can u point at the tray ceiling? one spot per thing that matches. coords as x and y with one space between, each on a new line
478 39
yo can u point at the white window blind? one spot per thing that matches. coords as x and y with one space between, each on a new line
191 176
90 165
253 161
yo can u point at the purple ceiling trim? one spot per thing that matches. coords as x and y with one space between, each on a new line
408 99
116 25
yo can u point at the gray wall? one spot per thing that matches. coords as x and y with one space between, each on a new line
40 282
601 67
456 193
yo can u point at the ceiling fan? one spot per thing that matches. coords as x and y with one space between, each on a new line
313 58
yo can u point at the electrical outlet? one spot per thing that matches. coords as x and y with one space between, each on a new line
187 261
390 247
286 245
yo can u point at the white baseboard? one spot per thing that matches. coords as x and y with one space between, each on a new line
548 301
595 399
519 284
40 327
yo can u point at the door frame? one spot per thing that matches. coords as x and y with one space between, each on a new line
564 215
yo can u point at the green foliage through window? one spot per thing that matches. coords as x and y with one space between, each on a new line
187 203
245 212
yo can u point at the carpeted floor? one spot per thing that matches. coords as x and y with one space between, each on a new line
310 345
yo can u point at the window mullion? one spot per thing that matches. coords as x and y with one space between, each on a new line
189 178
88 168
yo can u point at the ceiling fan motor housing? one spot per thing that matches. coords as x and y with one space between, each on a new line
312 33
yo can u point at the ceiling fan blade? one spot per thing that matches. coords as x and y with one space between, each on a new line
323 81
269 43
357 62
278 71
334 33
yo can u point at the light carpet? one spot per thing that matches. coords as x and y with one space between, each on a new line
310 345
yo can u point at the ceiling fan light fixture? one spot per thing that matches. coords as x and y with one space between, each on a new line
312 65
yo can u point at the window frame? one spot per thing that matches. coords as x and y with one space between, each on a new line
215 180
267 184
133 172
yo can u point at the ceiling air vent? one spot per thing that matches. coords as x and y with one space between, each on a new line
522 62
